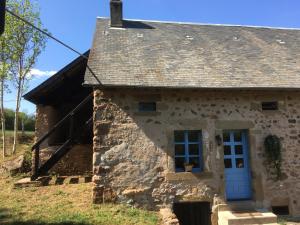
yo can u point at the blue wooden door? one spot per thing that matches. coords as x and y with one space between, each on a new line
237 168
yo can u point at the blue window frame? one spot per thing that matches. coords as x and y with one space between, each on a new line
147 106
188 150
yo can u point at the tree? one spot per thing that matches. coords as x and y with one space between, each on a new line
28 119
29 43
6 56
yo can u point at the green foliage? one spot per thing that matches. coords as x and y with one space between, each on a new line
29 42
27 161
28 45
7 48
28 120
273 153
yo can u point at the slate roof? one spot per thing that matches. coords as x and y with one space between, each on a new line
177 55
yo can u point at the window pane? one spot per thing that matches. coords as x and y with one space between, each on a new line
227 163
147 106
195 161
239 149
226 137
193 149
179 163
238 136
227 150
194 135
179 136
179 150
239 163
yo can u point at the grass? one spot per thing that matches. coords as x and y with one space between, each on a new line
59 205
66 204
22 146
288 220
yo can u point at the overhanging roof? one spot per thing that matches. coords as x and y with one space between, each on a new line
52 87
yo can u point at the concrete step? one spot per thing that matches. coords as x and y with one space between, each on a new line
238 206
245 218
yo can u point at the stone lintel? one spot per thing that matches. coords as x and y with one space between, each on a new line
190 123
280 201
234 124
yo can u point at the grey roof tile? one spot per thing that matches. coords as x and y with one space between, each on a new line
160 54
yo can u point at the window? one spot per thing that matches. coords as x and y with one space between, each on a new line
147 106
188 150
269 105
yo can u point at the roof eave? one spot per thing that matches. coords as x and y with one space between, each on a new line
192 87
30 96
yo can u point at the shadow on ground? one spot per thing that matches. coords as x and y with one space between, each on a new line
289 220
6 218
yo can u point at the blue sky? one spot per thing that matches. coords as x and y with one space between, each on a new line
73 21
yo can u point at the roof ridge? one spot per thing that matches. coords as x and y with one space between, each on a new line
209 24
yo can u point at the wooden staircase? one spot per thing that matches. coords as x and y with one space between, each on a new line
74 133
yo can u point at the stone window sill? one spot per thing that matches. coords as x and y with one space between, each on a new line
187 176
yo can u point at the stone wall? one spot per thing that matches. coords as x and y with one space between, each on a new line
44 120
78 161
133 151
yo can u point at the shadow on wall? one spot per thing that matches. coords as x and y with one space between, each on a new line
6 218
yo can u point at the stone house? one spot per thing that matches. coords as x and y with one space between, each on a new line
167 96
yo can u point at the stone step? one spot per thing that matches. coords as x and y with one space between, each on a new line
48 181
246 218
226 223
238 206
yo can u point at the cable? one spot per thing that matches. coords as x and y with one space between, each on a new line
55 39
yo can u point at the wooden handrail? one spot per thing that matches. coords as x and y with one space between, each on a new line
37 170
61 122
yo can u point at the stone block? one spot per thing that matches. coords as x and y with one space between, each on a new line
168 217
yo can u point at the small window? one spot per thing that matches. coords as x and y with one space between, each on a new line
147 106
188 150
269 105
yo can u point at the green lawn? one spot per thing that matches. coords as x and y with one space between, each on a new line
22 146
11 132
66 204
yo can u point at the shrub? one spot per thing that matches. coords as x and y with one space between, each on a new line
27 164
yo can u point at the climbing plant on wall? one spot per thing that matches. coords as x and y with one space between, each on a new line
273 154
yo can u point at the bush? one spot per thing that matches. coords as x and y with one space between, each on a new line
27 164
